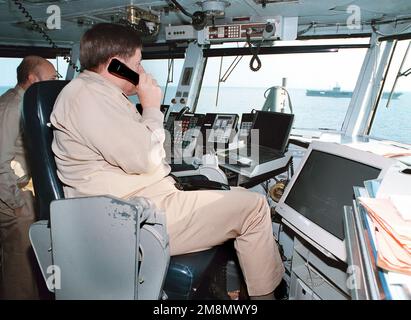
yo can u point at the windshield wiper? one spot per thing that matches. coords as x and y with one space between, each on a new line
399 75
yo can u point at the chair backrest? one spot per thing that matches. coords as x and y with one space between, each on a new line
38 104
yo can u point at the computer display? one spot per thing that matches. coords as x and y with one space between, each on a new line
314 200
324 186
222 128
274 129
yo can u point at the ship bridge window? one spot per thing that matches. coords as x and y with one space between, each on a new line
392 119
320 84
166 73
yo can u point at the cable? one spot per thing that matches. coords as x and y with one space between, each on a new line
254 51
141 28
39 29
280 229
264 185
302 32
291 169
181 8
198 18
318 276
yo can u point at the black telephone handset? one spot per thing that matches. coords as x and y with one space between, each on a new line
120 70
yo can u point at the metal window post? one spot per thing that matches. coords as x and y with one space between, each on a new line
191 78
366 89
75 57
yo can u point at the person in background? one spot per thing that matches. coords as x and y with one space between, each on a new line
17 280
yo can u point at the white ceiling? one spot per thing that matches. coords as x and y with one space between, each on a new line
318 11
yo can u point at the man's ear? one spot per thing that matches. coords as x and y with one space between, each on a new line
32 78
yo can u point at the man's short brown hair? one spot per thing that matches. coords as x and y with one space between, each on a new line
106 40
28 66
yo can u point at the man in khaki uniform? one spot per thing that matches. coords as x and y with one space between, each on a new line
102 145
16 202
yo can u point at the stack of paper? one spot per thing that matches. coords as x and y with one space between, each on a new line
395 182
392 228
403 206
384 149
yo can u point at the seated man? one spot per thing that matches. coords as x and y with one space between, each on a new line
102 145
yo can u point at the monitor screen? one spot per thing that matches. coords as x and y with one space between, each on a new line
222 127
324 186
274 129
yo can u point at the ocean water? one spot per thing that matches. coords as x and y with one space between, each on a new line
393 123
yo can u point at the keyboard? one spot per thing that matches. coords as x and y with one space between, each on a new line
244 157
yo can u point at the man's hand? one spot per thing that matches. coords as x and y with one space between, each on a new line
148 91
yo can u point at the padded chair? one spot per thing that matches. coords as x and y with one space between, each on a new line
185 272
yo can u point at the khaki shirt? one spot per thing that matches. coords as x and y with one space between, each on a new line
13 167
101 143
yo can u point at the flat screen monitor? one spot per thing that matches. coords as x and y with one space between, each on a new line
274 129
314 200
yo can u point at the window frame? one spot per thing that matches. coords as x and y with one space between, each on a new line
378 103
292 49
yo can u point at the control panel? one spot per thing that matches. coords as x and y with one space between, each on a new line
179 127
283 28
222 128
237 31
183 32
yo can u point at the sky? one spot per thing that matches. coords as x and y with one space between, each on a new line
305 71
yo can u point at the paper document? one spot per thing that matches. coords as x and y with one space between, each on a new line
392 234
382 149
403 205
395 182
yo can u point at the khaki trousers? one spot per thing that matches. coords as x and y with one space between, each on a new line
17 278
199 220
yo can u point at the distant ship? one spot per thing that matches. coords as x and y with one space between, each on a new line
336 92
